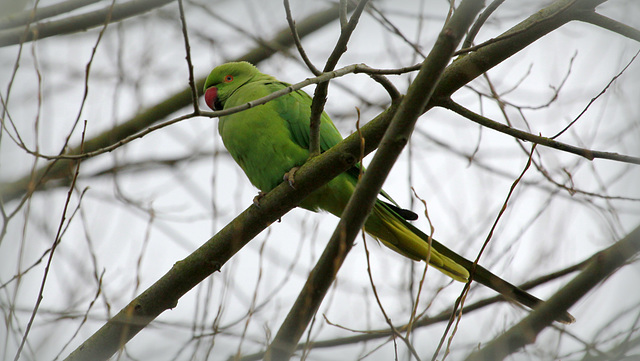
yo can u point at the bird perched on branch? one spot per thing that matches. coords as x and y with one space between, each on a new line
270 140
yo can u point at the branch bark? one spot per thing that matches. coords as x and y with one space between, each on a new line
537 139
425 321
368 188
74 24
25 17
320 94
602 265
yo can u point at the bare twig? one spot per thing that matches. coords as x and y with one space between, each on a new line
192 83
384 21
482 18
87 73
5 100
173 103
387 319
296 39
432 230
547 142
457 314
428 321
56 242
613 79
364 196
600 268
85 316
320 94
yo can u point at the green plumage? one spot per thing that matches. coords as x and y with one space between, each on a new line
269 140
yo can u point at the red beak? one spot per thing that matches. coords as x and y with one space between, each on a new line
211 98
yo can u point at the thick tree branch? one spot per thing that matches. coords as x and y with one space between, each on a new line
83 22
368 188
444 316
210 257
24 17
603 265
604 22
491 53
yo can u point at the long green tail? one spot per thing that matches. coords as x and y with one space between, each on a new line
396 233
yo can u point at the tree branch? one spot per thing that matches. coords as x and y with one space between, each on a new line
427 321
296 40
23 18
211 256
482 18
470 66
320 94
547 142
83 22
368 188
525 332
604 22
62 169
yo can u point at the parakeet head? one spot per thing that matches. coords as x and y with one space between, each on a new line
224 80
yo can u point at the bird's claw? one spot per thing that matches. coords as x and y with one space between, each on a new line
289 176
256 199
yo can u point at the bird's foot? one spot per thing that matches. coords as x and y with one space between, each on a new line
289 176
256 199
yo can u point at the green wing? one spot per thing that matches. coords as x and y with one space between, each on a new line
295 108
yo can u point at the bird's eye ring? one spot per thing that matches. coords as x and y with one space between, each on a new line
228 78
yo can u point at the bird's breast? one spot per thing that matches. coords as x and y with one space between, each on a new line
261 143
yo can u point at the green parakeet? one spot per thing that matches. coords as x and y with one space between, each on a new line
268 140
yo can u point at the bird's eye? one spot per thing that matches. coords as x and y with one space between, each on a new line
228 78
